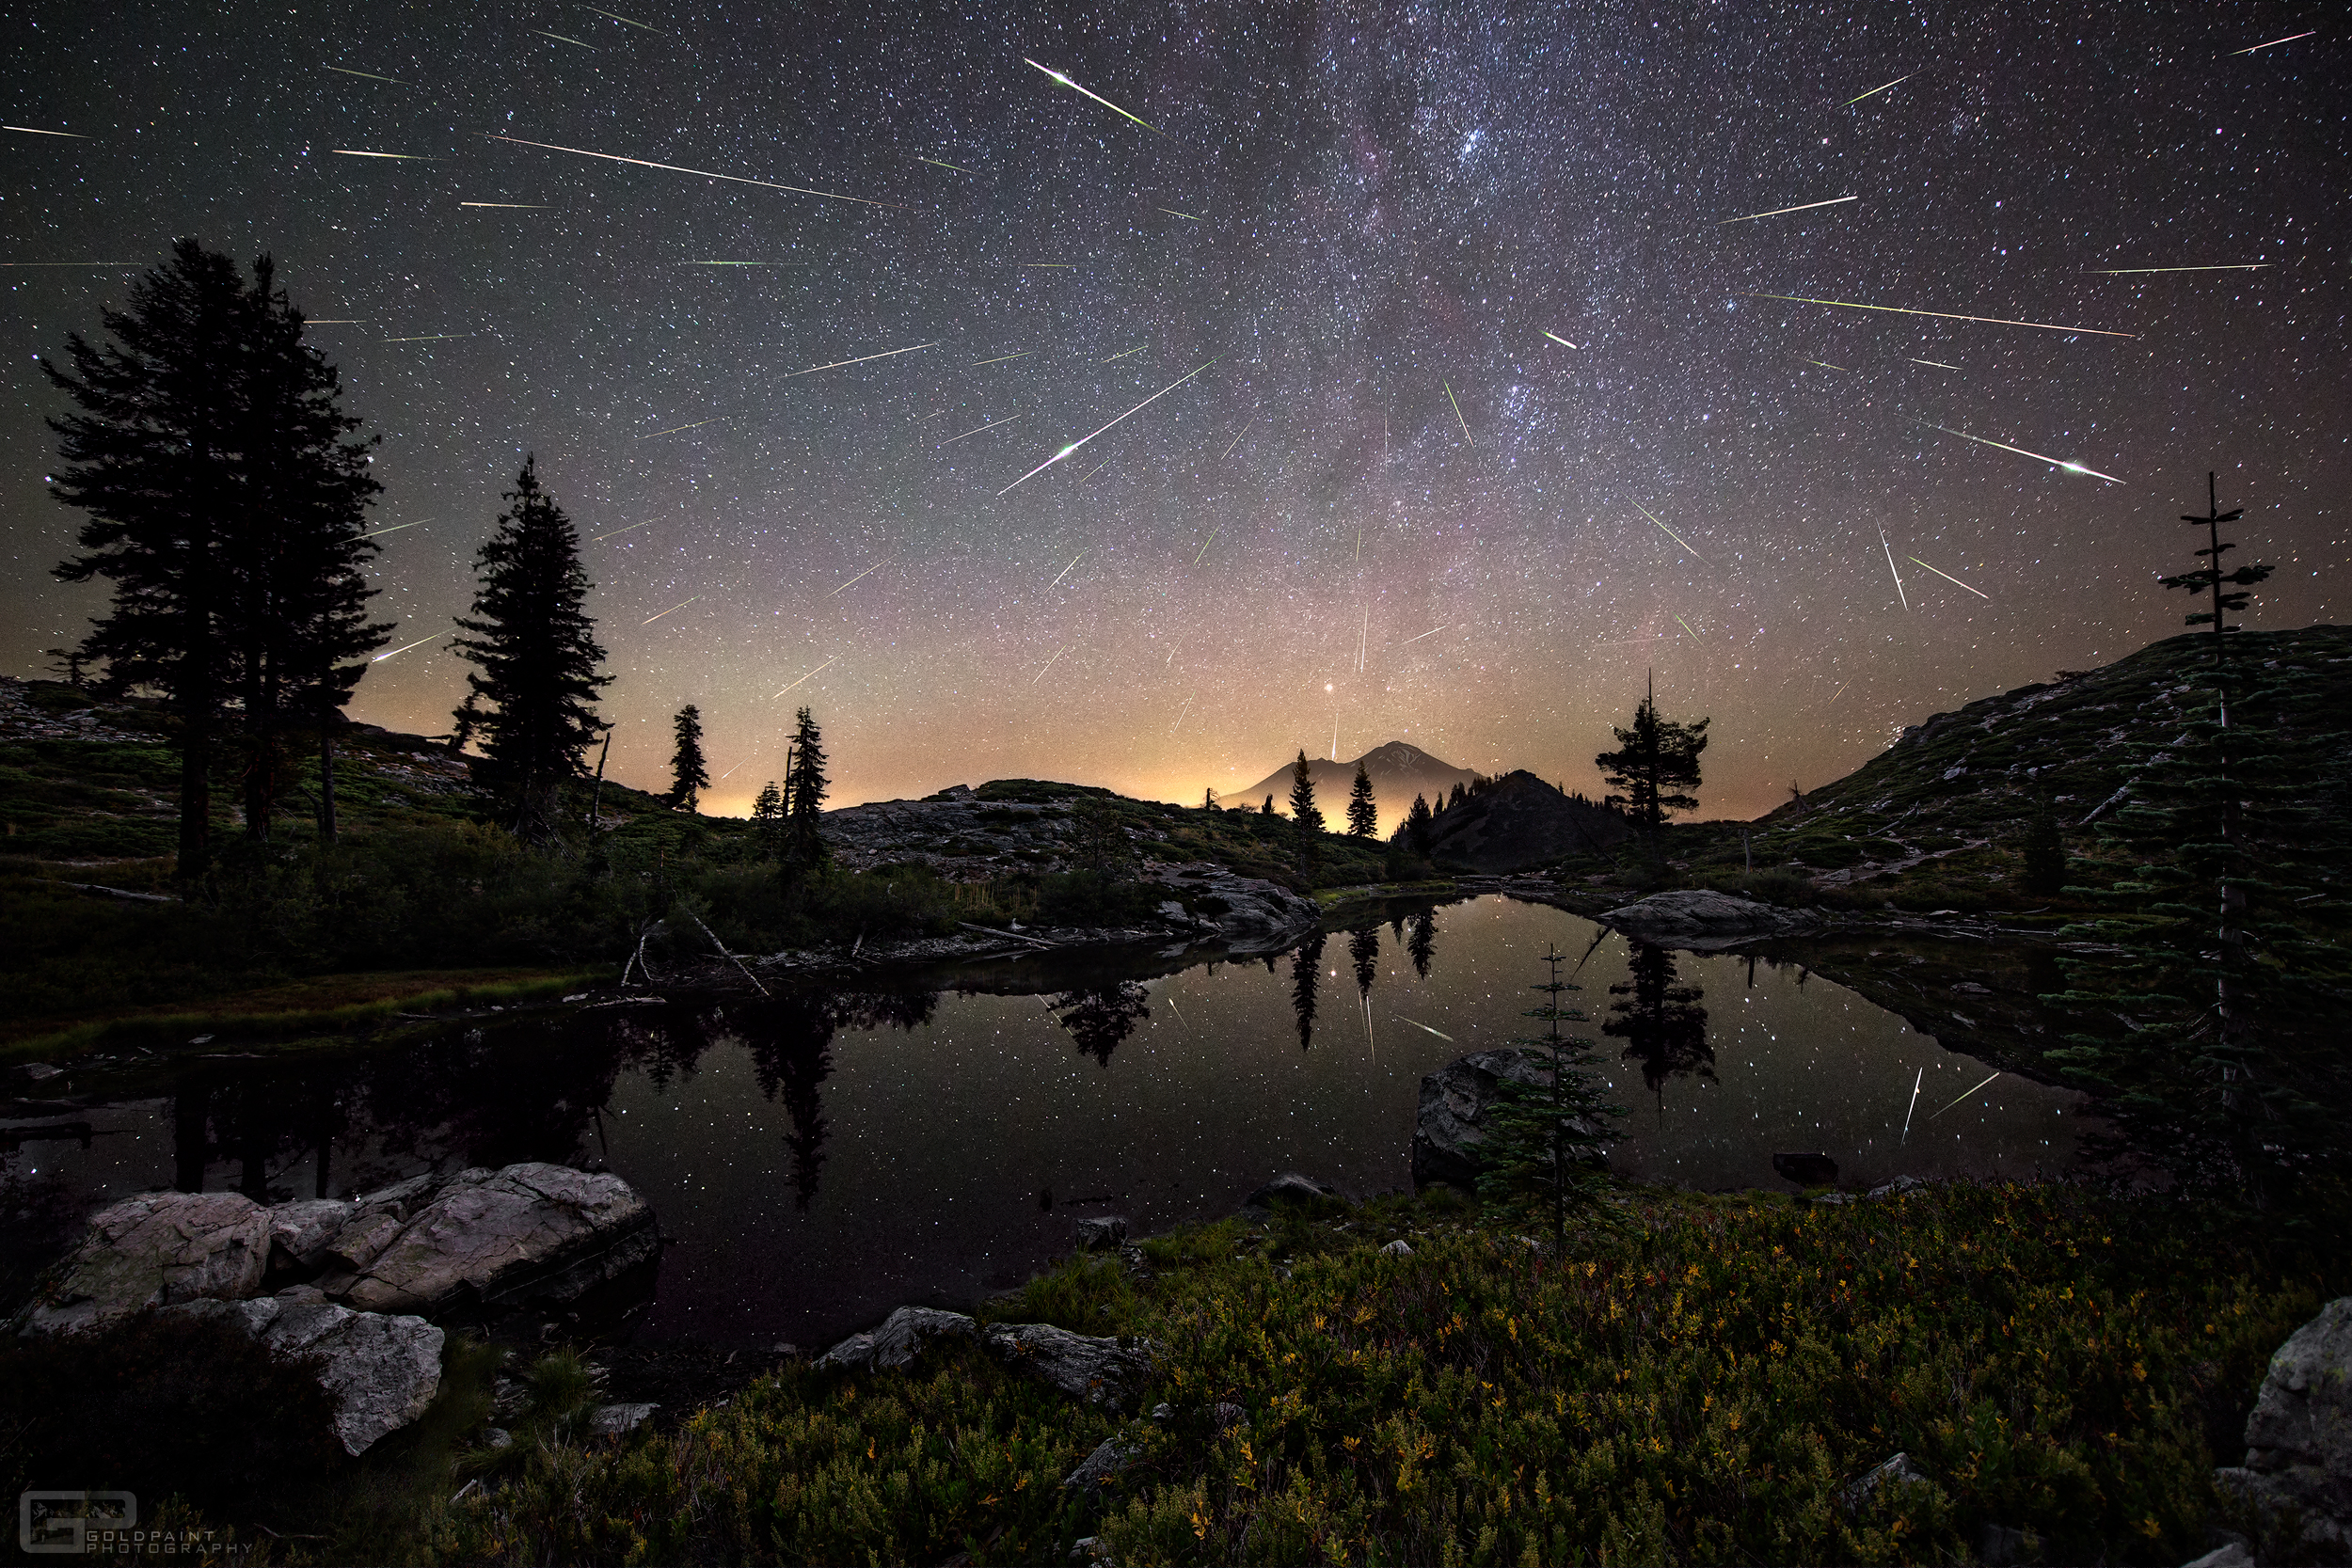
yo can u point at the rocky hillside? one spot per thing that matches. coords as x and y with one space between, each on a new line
1398 771
1518 821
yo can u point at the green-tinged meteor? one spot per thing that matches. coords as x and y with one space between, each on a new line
1670 533
941 163
1000 358
404 157
1418 635
1686 626
618 17
2039 457
1823 363
859 360
1116 357
1875 91
1084 439
1188 218
1945 576
1457 412
1556 337
1940 315
1096 96
394 528
368 74
617 532
1963 1097
1937 363
675 428
861 576
1419 1025
561 37
1195 560
1065 571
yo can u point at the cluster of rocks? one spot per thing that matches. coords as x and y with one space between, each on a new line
955 832
1088 1368
21 719
354 1281
1700 920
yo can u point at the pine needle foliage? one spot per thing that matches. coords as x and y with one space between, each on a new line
1363 815
804 784
690 775
1549 1142
1656 764
1305 814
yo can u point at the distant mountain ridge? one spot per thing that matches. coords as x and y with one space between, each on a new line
1521 820
1399 770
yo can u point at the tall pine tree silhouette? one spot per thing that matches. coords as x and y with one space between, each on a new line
1305 817
689 774
804 784
531 699
1363 815
1655 763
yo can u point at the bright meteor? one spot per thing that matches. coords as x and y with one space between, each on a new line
1557 339
1804 207
2274 42
406 647
1661 523
1084 439
812 674
1096 96
1875 91
2226 266
699 173
976 429
859 360
1890 566
680 605
368 74
1945 576
860 578
36 131
1457 412
2039 457
1940 315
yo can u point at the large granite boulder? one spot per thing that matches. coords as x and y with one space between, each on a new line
900 1341
301 1233
1701 919
156 1250
1450 1125
528 1232
382 1371
2298 1475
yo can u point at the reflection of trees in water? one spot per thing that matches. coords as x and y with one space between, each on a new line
1101 1017
1306 973
790 1038
1421 945
1660 1020
1364 949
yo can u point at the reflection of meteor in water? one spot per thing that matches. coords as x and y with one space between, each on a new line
1937 363
617 532
1670 533
1096 96
1940 315
1914 1100
2225 266
860 578
1000 358
976 429
78 264
1890 566
1945 576
531 206
618 17
1457 412
1117 357
1932 1115
1084 439
828 664
1431 632
1557 339
404 157
561 37
406 647
701 173
1065 571
2274 42
1065 265
680 605
939 164
1205 548
1801 207
1875 91
340 72
1049 664
859 360
1237 440
1418 1024
336 320
2054 461
714 418
1174 213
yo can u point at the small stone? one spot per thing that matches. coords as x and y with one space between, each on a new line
1163 1412
1289 1188
496 1438
1098 1235
39 1072
613 1421
2230 1554
1895 1188
1398 1248
1100 1467
1898 1468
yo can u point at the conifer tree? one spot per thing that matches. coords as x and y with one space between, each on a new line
534 647
1267 809
1208 800
768 821
689 774
1363 816
1305 816
1418 822
804 800
1547 1142
2042 851
1655 762
1458 796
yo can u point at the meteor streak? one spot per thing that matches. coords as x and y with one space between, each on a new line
394 528
1945 576
1180 715
657 32
1001 358
1457 412
735 263
1670 533
957 167
1937 363
1834 695
1084 439
1174 213
1686 626
813 673
562 38
1963 1097
1204 549
1096 96
675 428
976 430
336 320
617 532
1049 664
368 74
1800 207
1914 1100
701 173
1431 632
1557 339
1419 1025
1062 264
680 605
75 136
2054 461
1237 440
406 647
1940 315
72 264
404 157
1116 357
431 338
860 578
2226 266
1875 91
2274 42
530 205
859 360
1823 363
1096 470
1890 566
1065 571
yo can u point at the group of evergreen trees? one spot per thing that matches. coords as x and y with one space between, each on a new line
226 493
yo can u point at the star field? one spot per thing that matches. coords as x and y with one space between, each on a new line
1486 417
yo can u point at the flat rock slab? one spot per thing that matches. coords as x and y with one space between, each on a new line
528 1232
156 1250
2299 1440
382 1371
1701 919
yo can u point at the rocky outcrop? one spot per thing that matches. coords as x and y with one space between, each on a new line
529 1233
1450 1125
1291 1190
2297 1473
301 1233
382 1371
903 1336
1089 1368
1702 920
157 1249
1250 914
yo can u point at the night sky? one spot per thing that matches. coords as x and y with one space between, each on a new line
1480 343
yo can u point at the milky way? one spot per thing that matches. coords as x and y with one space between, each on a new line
1507 315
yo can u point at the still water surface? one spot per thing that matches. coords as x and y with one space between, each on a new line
819 1160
